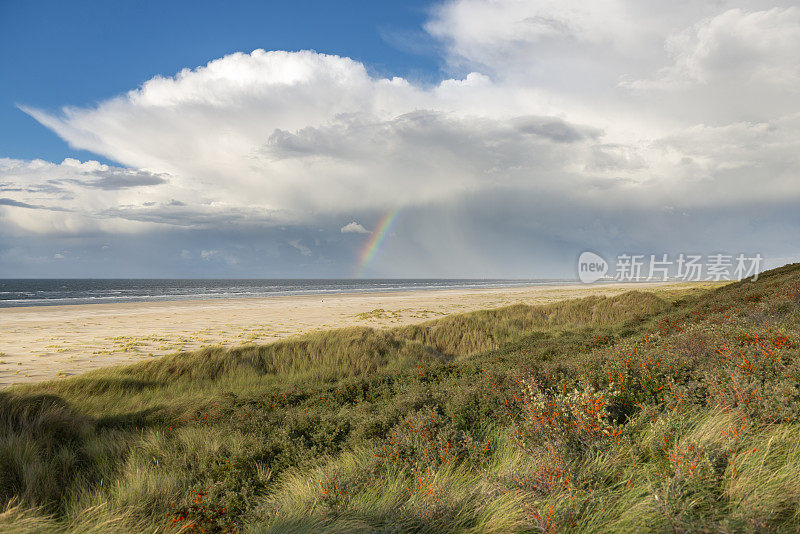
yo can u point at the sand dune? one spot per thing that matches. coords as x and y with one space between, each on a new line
45 342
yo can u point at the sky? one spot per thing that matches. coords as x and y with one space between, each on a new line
466 138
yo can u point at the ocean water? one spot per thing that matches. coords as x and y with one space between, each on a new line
50 292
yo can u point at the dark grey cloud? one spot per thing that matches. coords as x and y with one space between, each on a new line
47 187
182 216
497 233
435 138
111 180
555 129
18 204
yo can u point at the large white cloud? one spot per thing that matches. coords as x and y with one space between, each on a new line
67 198
301 133
735 47
594 106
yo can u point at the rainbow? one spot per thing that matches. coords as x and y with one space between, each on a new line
375 240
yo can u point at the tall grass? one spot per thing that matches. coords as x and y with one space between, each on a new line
641 412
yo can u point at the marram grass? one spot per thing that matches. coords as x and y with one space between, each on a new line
647 412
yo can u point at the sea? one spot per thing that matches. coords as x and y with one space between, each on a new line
52 292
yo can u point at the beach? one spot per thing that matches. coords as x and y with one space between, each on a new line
39 343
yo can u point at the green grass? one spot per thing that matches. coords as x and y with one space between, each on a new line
648 411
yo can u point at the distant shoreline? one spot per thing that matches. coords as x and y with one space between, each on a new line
67 292
43 342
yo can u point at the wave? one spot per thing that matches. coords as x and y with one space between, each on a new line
15 293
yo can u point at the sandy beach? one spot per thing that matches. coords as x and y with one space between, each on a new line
46 342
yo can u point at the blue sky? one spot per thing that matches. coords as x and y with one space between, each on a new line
56 53
502 137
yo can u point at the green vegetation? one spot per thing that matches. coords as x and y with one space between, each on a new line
641 412
378 313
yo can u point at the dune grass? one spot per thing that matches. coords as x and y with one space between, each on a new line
641 412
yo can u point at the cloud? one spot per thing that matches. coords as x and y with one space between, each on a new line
114 180
495 34
734 47
314 133
18 204
76 193
354 228
304 250
584 122
214 255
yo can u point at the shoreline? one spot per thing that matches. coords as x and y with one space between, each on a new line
39 343
513 284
